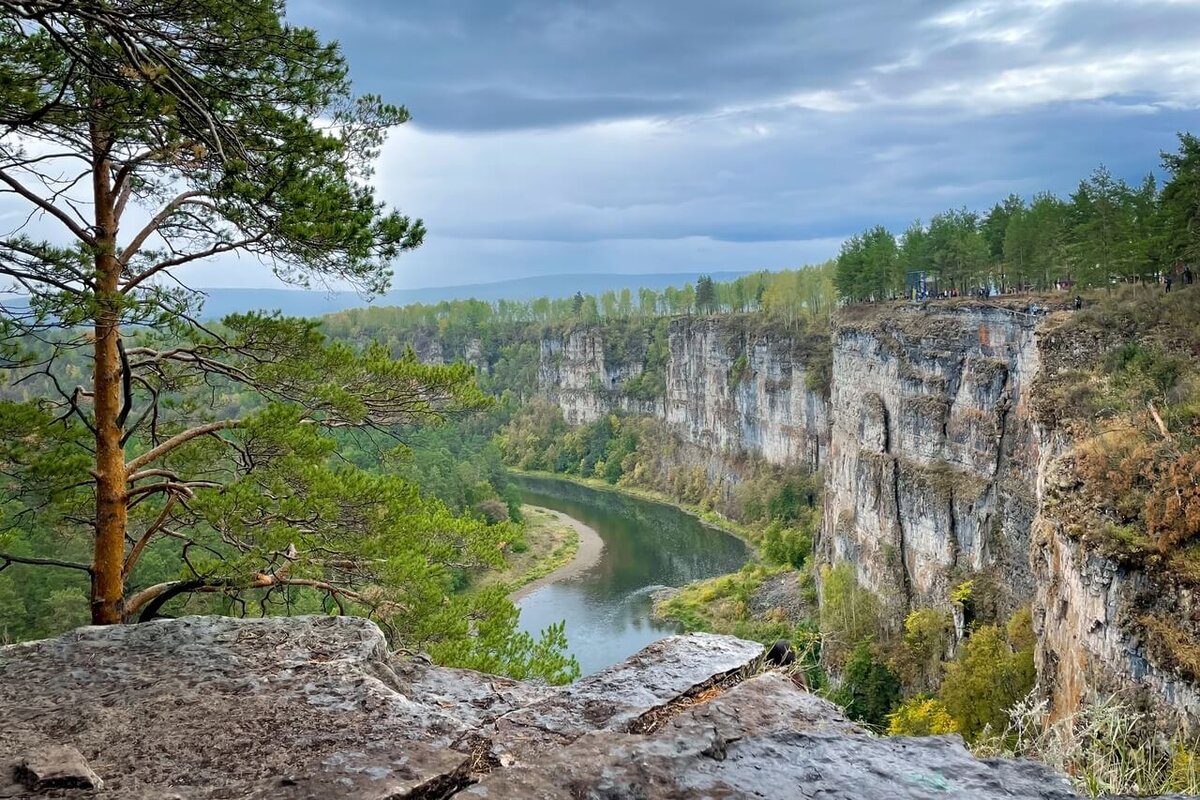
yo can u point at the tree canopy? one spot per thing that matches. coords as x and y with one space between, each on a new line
1107 231
159 458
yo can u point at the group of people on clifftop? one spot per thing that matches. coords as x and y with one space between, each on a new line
1185 278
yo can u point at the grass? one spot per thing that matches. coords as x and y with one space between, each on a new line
550 544
721 605
1102 748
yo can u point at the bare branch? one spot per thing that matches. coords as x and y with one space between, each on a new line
9 558
178 440
135 244
49 208
216 249
136 553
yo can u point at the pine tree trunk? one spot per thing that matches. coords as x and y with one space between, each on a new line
108 585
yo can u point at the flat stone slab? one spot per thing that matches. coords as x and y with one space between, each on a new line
213 707
614 698
766 703
316 708
764 738
788 764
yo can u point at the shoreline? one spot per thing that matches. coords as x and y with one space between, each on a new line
708 519
587 555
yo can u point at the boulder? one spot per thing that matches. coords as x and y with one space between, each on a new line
54 766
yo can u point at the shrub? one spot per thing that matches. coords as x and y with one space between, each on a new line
786 546
921 716
919 657
1103 747
993 673
869 690
493 510
849 613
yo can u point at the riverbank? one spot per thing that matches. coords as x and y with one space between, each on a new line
586 554
551 542
710 519
763 601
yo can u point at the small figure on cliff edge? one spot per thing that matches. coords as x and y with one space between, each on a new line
1078 302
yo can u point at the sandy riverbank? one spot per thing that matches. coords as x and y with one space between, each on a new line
586 556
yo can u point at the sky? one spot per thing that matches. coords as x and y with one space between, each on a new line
560 136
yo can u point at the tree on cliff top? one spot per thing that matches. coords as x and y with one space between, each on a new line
155 134
1181 200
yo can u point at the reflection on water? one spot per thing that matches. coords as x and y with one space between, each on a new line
646 546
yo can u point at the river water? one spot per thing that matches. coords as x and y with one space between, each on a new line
646 546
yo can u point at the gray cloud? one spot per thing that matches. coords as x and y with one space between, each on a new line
627 135
473 65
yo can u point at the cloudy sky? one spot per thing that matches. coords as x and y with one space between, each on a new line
555 136
558 136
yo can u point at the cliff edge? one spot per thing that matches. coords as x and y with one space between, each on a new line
316 707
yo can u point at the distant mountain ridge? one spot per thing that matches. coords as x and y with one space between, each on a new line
301 303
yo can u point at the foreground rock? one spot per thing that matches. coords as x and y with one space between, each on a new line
208 707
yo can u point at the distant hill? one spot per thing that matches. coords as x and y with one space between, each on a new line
299 303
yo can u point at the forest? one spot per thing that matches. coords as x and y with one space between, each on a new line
1106 232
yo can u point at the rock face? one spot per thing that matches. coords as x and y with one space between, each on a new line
1090 611
317 708
729 390
946 464
932 468
573 372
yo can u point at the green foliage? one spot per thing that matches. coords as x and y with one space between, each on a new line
1181 201
1142 374
787 546
739 370
993 673
1107 231
722 605
928 633
921 716
706 295
868 266
850 614
869 690
479 631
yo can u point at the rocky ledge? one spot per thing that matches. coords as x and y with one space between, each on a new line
210 707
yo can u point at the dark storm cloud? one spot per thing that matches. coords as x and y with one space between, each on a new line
489 65
479 64
554 136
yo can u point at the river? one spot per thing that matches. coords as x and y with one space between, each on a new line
647 546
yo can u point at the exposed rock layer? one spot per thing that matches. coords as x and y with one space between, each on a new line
729 390
317 708
932 471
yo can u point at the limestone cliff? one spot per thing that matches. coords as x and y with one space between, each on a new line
573 372
729 388
211 707
948 461
1106 623
931 475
